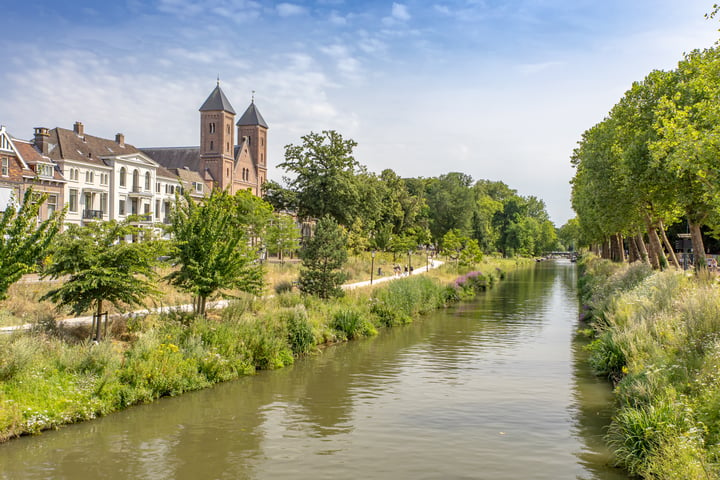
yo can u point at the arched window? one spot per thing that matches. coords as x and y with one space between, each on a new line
123 177
136 179
147 180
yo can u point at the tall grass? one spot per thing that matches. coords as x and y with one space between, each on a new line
658 338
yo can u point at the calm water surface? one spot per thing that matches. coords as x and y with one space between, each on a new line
493 389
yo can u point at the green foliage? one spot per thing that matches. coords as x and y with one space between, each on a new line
322 257
212 245
657 337
282 236
23 241
350 324
300 333
324 176
102 266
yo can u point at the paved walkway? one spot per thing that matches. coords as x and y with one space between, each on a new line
217 304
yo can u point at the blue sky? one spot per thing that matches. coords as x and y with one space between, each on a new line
496 89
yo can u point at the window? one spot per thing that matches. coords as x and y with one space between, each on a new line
4 143
157 187
212 127
73 200
5 168
123 177
228 129
147 180
157 208
211 145
104 177
44 170
227 146
198 187
103 202
136 180
52 204
89 177
121 207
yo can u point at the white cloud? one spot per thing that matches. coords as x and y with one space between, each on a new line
289 9
400 12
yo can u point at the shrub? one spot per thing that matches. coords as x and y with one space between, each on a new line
300 333
350 324
283 286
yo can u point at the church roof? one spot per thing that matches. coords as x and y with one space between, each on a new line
217 101
252 117
175 157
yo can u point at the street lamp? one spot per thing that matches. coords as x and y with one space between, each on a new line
372 265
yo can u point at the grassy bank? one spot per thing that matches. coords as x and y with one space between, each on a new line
657 337
50 377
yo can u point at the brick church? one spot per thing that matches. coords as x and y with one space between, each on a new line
220 161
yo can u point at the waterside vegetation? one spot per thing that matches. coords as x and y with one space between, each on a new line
656 336
51 376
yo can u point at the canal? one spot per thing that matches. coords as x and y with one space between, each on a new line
494 389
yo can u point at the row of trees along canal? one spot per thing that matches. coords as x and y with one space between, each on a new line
653 161
216 244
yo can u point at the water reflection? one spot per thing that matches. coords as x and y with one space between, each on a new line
491 389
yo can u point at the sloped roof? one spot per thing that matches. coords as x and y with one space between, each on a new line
175 157
66 144
31 155
252 117
217 101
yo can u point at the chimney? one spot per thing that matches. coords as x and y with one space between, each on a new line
120 139
41 139
79 129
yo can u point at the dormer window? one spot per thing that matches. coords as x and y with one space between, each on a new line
44 170
198 187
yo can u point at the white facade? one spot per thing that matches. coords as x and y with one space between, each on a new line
87 191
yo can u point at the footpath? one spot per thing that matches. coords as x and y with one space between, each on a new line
215 305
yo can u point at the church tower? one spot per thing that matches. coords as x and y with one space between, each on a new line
217 138
253 129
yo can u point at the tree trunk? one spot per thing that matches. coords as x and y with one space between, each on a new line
698 246
617 250
634 251
655 245
640 243
668 245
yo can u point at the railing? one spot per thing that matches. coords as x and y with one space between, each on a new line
90 214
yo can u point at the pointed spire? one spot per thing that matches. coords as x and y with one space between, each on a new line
252 116
217 101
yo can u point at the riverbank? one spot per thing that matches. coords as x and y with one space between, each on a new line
656 336
49 378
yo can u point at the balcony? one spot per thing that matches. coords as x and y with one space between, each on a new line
92 214
138 191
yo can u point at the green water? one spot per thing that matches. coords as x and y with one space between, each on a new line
492 389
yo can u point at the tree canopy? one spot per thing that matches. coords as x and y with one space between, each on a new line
24 241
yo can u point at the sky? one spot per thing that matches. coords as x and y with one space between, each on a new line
498 90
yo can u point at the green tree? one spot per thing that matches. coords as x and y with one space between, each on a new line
324 176
23 241
282 236
450 203
212 246
322 258
101 266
